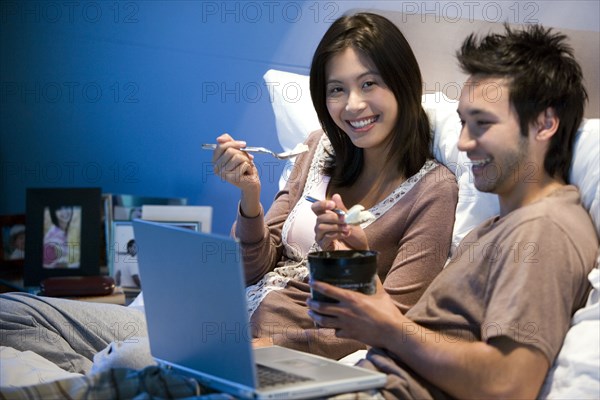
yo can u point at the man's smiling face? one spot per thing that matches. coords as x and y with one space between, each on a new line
491 136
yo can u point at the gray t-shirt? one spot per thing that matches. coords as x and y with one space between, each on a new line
521 276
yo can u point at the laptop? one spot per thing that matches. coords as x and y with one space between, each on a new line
198 323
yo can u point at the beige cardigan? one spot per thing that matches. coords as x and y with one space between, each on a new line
413 239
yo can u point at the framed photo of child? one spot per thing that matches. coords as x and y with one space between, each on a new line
12 239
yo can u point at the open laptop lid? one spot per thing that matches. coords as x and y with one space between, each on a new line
201 327
189 327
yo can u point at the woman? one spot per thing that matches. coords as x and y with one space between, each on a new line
56 240
374 150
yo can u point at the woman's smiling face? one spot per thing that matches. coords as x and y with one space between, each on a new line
64 215
359 101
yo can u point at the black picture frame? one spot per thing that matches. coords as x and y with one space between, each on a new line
57 251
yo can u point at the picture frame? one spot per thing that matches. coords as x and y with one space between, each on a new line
106 219
123 256
125 207
201 215
63 233
191 225
123 253
12 239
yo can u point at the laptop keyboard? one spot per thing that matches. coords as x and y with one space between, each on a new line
268 376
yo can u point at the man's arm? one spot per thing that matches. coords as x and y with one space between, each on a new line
501 368
498 368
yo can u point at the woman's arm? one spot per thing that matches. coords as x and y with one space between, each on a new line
424 246
237 167
260 235
260 239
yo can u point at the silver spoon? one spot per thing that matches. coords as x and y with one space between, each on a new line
356 215
299 149
335 210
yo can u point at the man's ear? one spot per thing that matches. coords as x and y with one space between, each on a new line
546 124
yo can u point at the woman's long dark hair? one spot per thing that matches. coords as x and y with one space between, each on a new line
52 210
384 45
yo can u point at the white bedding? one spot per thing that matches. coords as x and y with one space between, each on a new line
25 368
576 371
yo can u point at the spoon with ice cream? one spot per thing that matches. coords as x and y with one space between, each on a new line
356 215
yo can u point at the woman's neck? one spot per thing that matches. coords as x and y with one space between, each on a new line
378 178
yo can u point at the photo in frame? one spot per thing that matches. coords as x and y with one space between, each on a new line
63 233
125 207
124 252
12 238
124 256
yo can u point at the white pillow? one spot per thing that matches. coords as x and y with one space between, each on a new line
585 168
576 371
295 116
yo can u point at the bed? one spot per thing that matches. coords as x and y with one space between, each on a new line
576 372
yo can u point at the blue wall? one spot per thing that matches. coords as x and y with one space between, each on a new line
121 94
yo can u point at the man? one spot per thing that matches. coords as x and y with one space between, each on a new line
491 324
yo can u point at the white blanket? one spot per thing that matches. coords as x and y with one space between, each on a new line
576 371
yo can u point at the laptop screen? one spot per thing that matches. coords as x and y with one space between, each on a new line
194 298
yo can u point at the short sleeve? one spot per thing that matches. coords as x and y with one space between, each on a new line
536 278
